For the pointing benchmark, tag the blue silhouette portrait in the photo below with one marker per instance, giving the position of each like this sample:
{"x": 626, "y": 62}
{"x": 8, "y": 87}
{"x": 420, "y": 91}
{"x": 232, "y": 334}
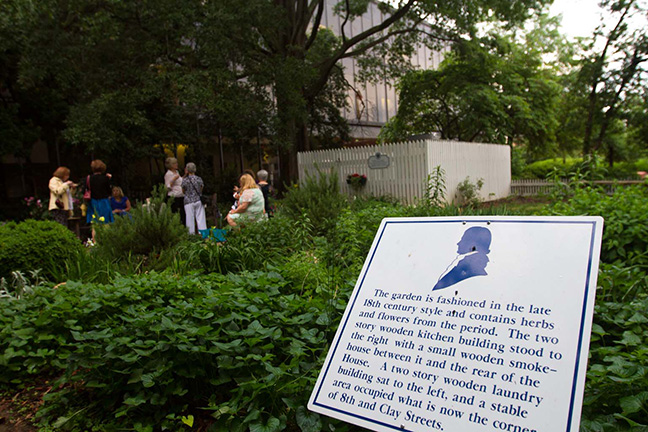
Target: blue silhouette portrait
{"x": 472, "y": 259}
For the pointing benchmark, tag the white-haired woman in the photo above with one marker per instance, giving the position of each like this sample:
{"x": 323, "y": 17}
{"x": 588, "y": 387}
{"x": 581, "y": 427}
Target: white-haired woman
{"x": 192, "y": 187}
{"x": 262, "y": 177}
{"x": 173, "y": 183}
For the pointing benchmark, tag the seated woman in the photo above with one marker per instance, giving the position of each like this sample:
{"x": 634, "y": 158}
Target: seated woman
{"x": 251, "y": 203}
{"x": 118, "y": 202}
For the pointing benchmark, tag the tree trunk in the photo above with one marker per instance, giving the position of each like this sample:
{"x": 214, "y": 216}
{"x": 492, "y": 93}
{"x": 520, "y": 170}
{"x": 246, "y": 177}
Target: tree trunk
{"x": 610, "y": 155}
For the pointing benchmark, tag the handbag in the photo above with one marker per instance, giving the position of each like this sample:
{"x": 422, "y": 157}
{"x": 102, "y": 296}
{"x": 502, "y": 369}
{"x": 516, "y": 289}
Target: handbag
{"x": 86, "y": 193}
{"x": 59, "y": 204}
{"x": 204, "y": 199}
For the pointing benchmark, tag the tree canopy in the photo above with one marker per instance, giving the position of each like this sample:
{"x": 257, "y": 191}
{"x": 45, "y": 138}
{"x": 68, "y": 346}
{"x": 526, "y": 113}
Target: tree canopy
{"x": 129, "y": 75}
{"x": 488, "y": 89}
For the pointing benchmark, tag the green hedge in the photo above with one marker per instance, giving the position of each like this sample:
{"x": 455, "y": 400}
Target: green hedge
{"x": 625, "y": 234}
{"x": 32, "y": 245}
{"x": 567, "y": 167}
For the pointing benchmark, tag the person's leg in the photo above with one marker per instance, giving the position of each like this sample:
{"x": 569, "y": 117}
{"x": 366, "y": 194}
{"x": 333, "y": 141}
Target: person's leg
{"x": 200, "y": 217}
{"x": 178, "y": 207}
{"x": 60, "y": 216}
{"x": 183, "y": 214}
{"x": 191, "y": 220}
{"x": 230, "y": 220}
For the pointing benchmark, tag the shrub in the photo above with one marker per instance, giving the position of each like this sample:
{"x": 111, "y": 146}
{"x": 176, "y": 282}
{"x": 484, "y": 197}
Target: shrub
{"x": 518, "y": 161}
{"x": 616, "y": 390}
{"x": 152, "y": 228}
{"x": 251, "y": 248}
{"x": 32, "y": 245}
{"x": 541, "y": 169}
{"x": 144, "y": 352}
{"x": 592, "y": 169}
{"x": 468, "y": 192}
{"x": 625, "y": 235}
{"x": 319, "y": 199}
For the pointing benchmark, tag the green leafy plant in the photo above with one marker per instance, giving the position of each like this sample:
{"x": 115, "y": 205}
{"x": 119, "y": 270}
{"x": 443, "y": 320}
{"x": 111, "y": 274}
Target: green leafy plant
{"x": 151, "y": 349}
{"x": 152, "y": 228}
{"x": 435, "y": 188}
{"x": 616, "y": 396}
{"x": 19, "y": 285}
{"x": 251, "y": 248}
{"x": 33, "y": 245}
{"x": 318, "y": 198}
{"x": 468, "y": 192}
{"x": 625, "y": 236}
{"x": 36, "y": 208}
{"x": 88, "y": 266}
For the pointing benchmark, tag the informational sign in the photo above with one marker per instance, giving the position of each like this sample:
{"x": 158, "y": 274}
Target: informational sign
{"x": 378, "y": 161}
{"x": 467, "y": 324}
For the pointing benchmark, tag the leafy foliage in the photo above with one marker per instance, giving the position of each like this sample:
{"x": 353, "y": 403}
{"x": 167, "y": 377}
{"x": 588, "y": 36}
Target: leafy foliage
{"x": 490, "y": 89}
{"x": 152, "y": 228}
{"x": 318, "y": 200}
{"x": 252, "y": 248}
{"x": 596, "y": 169}
{"x": 149, "y": 349}
{"x": 33, "y": 245}
{"x": 19, "y": 285}
{"x": 617, "y": 379}
{"x": 435, "y": 188}
{"x": 233, "y": 334}
{"x": 625, "y": 236}
{"x": 468, "y": 192}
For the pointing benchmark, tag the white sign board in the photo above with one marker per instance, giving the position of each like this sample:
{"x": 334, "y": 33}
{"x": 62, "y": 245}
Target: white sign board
{"x": 467, "y": 324}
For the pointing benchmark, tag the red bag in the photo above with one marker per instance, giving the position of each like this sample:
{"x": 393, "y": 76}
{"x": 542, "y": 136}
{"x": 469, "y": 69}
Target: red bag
{"x": 86, "y": 194}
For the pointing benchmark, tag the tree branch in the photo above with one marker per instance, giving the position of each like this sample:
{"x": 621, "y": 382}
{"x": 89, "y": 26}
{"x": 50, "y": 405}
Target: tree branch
{"x": 346, "y": 19}
{"x": 596, "y": 79}
{"x": 316, "y": 23}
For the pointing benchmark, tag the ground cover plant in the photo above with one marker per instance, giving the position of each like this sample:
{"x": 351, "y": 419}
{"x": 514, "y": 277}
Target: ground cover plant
{"x": 616, "y": 395}
{"x": 231, "y": 336}
{"x": 154, "y": 349}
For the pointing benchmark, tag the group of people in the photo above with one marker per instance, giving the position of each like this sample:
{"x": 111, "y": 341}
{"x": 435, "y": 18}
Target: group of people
{"x": 251, "y": 198}
{"x": 105, "y": 200}
{"x": 102, "y": 198}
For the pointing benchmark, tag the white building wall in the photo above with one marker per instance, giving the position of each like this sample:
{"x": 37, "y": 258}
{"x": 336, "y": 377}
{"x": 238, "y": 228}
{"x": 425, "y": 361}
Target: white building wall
{"x": 379, "y": 100}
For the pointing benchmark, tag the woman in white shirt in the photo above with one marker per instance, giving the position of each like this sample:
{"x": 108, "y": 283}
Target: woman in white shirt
{"x": 60, "y": 202}
{"x": 173, "y": 183}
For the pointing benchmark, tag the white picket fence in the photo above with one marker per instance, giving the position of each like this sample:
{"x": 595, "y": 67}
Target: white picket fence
{"x": 532, "y": 187}
{"x": 410, "y": 164}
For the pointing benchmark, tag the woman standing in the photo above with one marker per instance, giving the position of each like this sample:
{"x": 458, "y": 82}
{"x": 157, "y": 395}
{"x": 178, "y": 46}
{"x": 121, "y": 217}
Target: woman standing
{"x": 192, "y": 187}
{"x": 173, "y": 183}
{"x": 251, "y": 203}
{"x": 100, "y": 192}
{"x": 60, "y": 197}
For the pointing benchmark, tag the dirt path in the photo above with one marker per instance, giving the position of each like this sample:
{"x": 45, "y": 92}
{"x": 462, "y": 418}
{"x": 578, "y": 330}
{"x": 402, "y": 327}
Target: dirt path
{"x": 18, "y": 407}
{"x": 10, "y": 422}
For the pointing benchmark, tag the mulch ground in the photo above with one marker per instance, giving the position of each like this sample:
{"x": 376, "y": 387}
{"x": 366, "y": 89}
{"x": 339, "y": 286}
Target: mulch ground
{"x": 18, "y": 407}
{"x": 517, "y": 200}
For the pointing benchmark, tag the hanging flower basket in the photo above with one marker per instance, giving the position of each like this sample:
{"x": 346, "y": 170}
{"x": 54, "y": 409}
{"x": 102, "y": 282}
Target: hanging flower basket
{"x": 356, "y": 180}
